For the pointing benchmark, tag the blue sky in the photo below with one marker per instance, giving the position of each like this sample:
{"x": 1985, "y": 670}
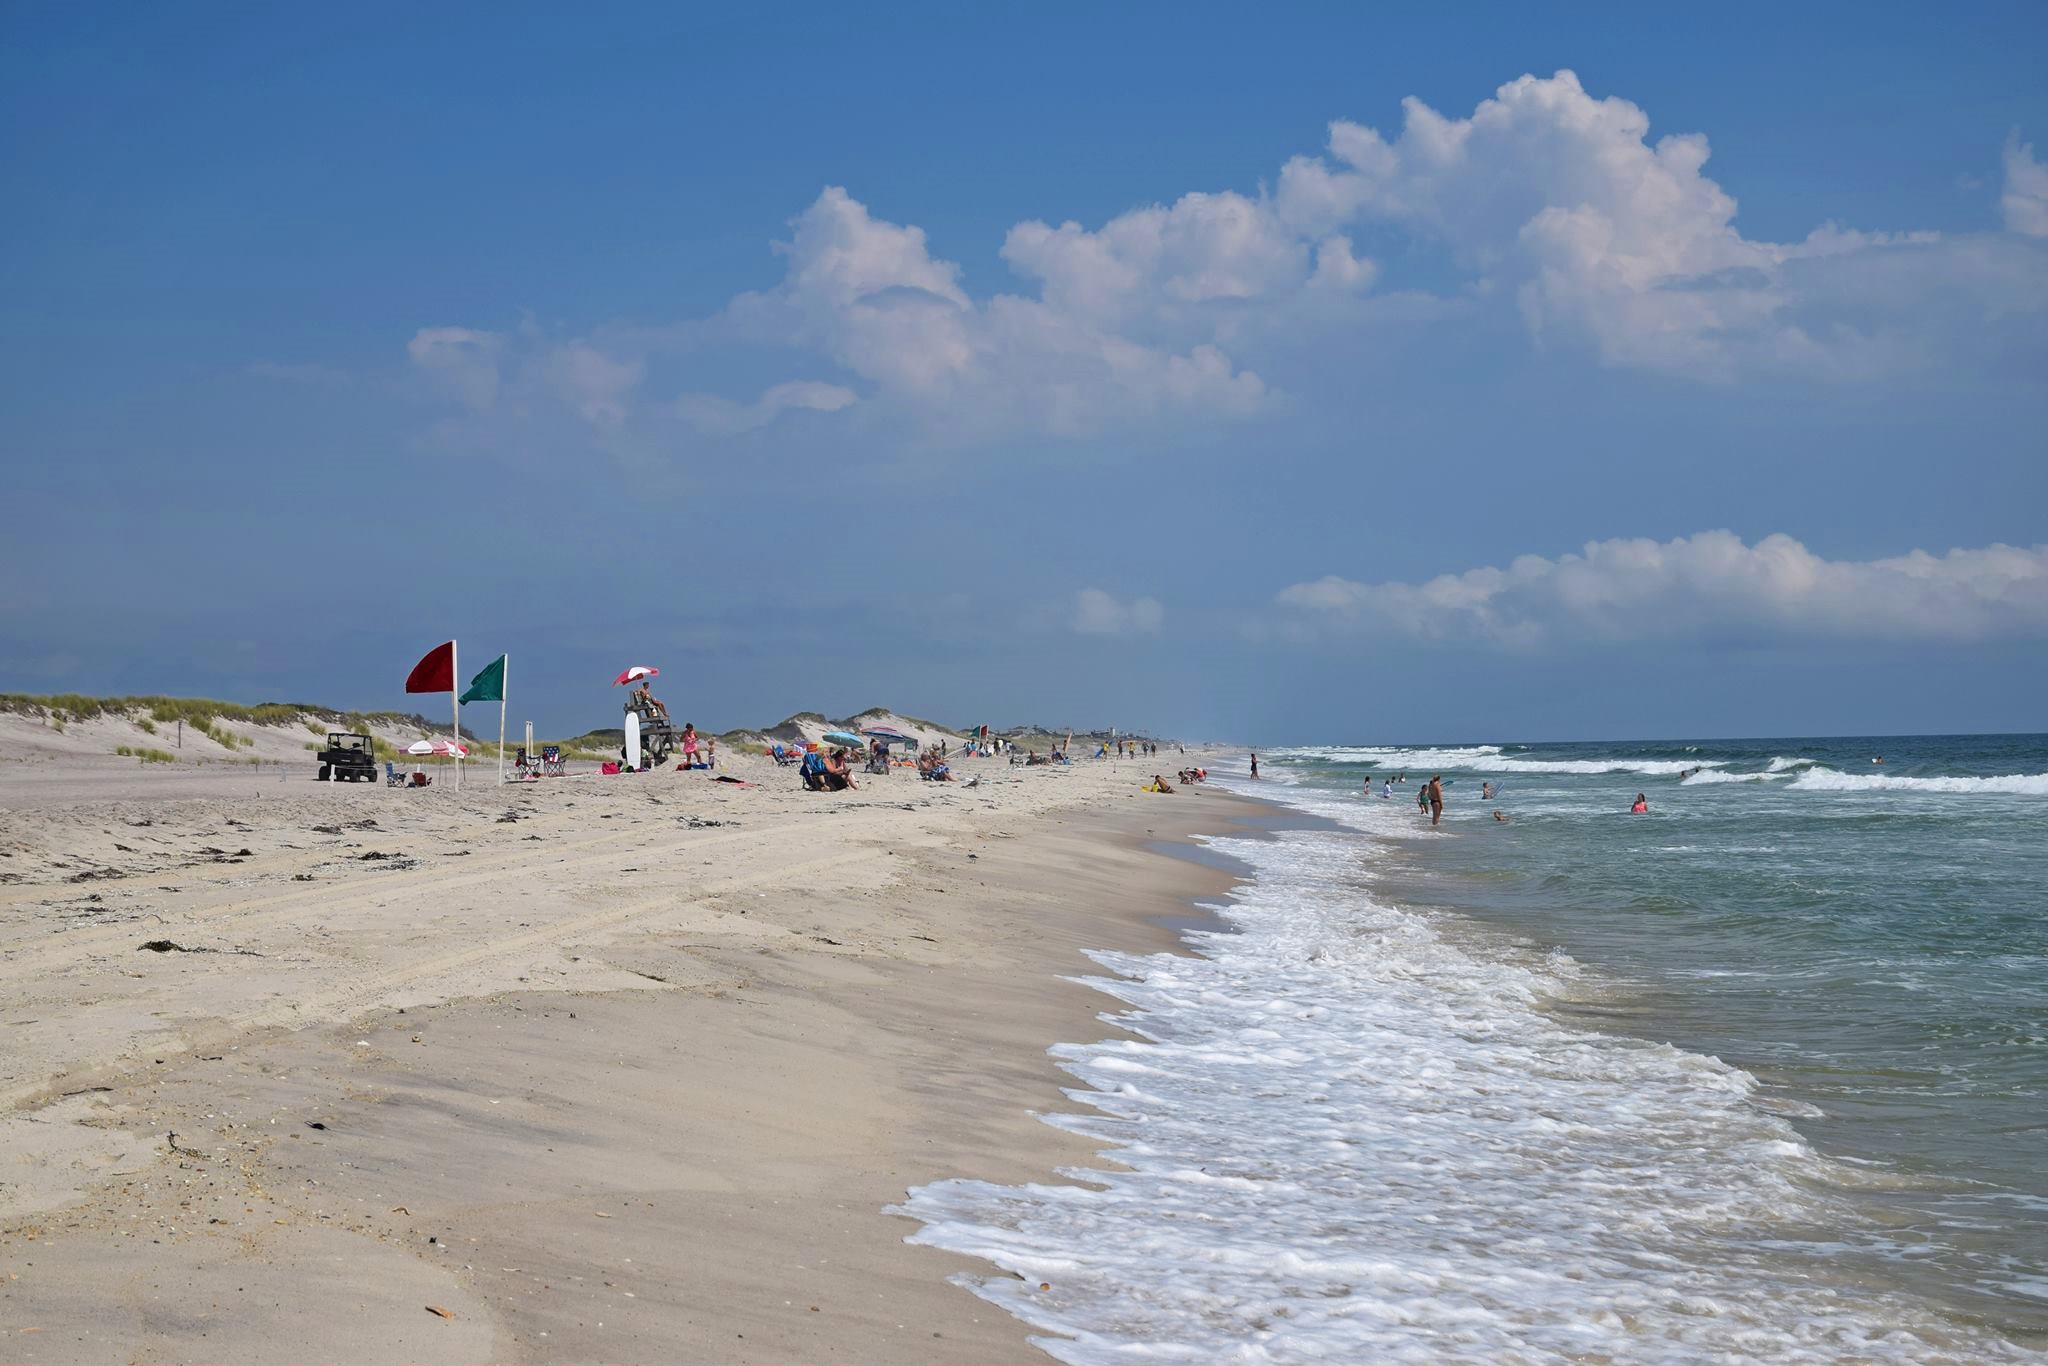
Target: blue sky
{"x": 1153, "y": 366}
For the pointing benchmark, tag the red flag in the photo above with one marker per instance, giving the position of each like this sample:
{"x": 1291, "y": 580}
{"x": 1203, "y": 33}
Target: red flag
{"x": 435, "y": 672}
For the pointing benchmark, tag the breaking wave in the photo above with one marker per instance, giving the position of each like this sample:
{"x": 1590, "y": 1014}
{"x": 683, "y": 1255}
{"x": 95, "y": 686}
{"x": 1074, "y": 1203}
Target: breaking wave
{"x": 1486, "y": 759}
{"x": 1342, "y": 1136}
{"x": 1821, "y": 779}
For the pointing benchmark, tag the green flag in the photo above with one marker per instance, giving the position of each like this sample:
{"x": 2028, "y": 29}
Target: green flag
{"x": 488, "y": 686}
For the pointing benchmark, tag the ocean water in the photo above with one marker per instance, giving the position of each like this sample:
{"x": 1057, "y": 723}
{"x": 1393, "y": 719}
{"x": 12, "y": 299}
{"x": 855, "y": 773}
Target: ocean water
{"x": 1760, "y": 1075}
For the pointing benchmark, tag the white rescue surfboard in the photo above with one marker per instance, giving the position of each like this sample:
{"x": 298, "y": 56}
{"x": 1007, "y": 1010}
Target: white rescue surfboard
{"x": 632, "y": 739}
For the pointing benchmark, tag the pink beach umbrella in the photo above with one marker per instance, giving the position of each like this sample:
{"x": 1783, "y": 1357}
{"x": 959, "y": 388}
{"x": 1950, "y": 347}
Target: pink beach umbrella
{"x": 443, "y": 748}
{"x": 634, "y": 675}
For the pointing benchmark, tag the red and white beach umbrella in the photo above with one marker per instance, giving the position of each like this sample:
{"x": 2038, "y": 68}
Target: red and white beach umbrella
{"x": 424, "y": 748}
{"x": 634, "y": 675}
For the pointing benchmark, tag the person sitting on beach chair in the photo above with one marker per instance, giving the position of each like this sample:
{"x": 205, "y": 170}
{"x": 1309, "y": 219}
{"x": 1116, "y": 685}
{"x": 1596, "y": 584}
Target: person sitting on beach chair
{"x": 838, "y": 772}
{"x": 643, "y": 700}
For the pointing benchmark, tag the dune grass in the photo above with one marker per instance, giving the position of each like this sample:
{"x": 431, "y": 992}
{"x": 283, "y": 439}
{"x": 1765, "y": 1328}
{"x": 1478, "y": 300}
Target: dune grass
{"x": 147, "y": 756}
{"x": 200, "y": 712}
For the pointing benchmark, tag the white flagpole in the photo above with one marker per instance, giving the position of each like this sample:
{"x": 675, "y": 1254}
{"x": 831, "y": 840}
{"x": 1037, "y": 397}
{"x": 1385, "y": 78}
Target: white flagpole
{"x": 455, "y": 702}
{"x": 501, "y": 717}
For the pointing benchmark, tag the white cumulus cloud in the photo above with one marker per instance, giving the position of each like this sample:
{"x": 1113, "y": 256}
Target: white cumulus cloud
{"x": 2025, "y": 200}
{"x": 710, "y": 413}
{"x": 1546, "y": 200}
{"x": 1096, "y": 613}
{"x": 462, "y": 360}
{"x": 869, "y": 294}
{"x": 1602, "y": 233}
{"x": 597, "y": 385}
{"x": 1708, "y": 585}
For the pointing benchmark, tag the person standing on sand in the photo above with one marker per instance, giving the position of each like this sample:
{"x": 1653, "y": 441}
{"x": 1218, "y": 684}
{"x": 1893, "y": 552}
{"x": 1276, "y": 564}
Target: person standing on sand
{"x": 1435, "y": 793}
{"x": 1255, "y": 766}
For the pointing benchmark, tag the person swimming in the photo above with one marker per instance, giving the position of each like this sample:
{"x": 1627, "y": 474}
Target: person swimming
{"x": 1642, "y": 806}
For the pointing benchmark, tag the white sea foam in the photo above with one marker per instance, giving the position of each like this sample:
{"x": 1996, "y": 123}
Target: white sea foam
{"x": 1645, "y": 766}
{"x": 1387, "y": 756}
{"x": 1485, "y": 759}
{"x": 1707, "y": 777}
{"x": 1351, "y": 1139}
{"x": 1820, "y": 779}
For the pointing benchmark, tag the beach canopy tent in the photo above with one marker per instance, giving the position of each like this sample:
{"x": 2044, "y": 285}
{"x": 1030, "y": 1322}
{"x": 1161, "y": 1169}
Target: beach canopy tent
{"x": 634, "y": 675}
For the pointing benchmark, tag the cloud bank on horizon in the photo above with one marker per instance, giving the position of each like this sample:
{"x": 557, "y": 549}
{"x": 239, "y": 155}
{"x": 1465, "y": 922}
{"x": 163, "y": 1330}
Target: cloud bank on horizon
{"x": 1711, "y": 584}
{"x": 1545, "y": 200}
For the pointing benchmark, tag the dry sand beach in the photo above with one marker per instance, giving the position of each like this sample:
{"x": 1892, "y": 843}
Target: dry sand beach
{"x": 589, "y": 1069}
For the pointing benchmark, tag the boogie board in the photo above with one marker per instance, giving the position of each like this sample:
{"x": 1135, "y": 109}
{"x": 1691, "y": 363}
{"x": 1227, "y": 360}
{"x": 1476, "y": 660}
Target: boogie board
{"x": 633, "y": 740}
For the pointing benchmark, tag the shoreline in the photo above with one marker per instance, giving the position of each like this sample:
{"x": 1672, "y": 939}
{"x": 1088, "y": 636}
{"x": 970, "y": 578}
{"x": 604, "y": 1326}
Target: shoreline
{"x": 708, "y": 1144}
